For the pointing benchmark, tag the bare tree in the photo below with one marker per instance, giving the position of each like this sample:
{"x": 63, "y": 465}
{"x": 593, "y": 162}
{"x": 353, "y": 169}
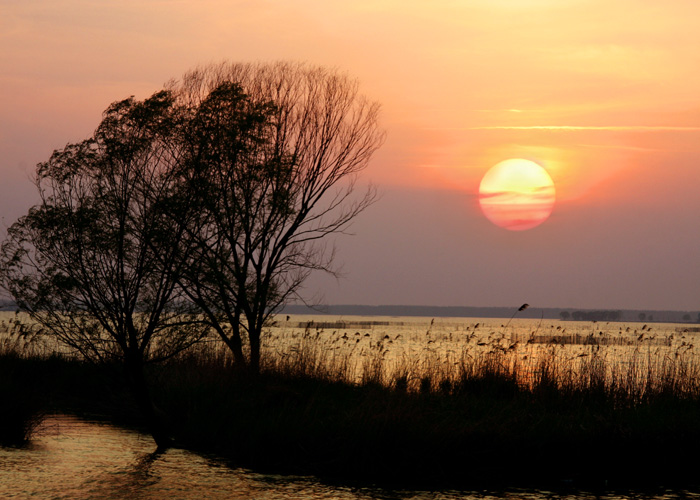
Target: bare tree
{"x": 274, "y": 155}
{"x": 96, "y": 263}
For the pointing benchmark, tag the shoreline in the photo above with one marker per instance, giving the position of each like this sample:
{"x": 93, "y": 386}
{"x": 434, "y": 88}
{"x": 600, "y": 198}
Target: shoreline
{"x": 488, "y": 433}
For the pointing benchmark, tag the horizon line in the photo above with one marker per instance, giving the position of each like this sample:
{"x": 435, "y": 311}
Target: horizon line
{"x": 496, "y": 307}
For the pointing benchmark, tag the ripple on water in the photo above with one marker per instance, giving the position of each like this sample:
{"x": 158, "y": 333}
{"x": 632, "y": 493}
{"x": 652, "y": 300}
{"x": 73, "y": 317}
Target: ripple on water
{"x": 76, "y": 459}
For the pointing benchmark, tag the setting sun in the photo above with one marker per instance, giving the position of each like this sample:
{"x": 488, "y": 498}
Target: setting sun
{"x": 517, "y": 194}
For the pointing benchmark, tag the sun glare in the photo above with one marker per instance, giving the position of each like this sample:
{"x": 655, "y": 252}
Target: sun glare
{"x": 517, "y": 194}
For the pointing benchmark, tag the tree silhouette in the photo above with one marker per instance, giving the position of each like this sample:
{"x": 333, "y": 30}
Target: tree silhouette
{"x": 274, "y": 155}
{"x": 96, "y": 263}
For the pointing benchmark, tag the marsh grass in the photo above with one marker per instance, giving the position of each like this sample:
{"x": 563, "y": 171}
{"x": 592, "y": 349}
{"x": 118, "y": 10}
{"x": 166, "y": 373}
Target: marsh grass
{"x": 492, "y": 412}
{"x": 38, "y": 378}
{"x": 431, "y": 407}
{"x": 625, "y": 369}
{"x": 21, "y": 409}
{"x": 21, "y": 406}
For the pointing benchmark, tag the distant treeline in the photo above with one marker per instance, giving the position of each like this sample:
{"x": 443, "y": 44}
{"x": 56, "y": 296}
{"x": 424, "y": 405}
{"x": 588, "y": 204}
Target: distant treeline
{"x": 531, "y": 312}
{"x": 592, "y": 315}
{"x": 651, "y": 316}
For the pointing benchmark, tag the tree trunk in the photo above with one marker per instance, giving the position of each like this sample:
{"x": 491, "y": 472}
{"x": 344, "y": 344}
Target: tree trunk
{"x": 140, "y": 391}
{"x": 254, "y": 338}
{"x": 235, "y": 343}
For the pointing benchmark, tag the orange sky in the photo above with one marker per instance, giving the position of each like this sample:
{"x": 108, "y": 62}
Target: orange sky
{"x": 604, "y": 95}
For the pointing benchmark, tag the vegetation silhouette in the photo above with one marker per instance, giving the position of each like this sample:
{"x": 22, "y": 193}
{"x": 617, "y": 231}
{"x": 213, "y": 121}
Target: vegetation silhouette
{"x": 271, "y": 173}
{"x": 485, "y": 417}
{"x": 96, "y": 263}
{"x": 201, "y": 209}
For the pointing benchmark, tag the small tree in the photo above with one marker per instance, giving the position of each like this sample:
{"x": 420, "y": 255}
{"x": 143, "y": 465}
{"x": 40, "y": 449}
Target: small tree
{"x": 564, "y": 315}
{"x": 96, "y": 263}
{"x": 274, "y": 155}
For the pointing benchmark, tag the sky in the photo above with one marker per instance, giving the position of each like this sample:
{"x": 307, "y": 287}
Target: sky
{"x": 605, "y": 96}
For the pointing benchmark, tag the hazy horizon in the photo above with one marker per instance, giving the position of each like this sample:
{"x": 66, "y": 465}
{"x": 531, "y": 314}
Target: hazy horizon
{"x": 512, "y": 307}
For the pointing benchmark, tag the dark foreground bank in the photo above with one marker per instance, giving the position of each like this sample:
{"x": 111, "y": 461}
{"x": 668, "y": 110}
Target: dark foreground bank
{"x": 483, "y": 430}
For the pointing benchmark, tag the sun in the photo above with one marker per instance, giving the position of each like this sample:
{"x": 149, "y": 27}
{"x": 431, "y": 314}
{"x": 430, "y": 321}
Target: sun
{"x": 517, "y": 194}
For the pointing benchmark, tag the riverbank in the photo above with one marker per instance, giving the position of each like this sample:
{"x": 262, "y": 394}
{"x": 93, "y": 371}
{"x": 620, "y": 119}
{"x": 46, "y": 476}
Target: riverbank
{"x": 481, "y": 429}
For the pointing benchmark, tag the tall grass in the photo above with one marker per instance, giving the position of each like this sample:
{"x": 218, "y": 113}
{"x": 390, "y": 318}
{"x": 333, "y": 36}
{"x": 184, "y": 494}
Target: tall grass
{"x": 38, "y": 377}
{"x": 458, "y": 406}
{"x": 625, "y": 370}
{"x": 22, "y": 408}
{"x": 535, "y": 410}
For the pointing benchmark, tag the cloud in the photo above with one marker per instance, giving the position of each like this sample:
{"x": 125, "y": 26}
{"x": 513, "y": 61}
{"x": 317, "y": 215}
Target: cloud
{"x": 630, "y": 148}
{"x": 613, "y": 128}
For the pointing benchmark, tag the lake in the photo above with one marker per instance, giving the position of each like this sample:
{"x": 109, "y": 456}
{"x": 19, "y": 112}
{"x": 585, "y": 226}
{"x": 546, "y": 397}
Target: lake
{"x": 76, "y": 459}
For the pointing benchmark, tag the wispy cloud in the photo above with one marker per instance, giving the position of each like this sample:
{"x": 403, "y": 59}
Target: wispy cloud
{"x": 512, "y": 110}
{"x": 631, "y": 148}
{"x": 537, "y": 195}
{"x": 641, "y": 128}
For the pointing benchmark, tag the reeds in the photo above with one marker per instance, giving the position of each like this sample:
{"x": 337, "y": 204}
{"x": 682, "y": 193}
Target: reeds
{"x": 21, "y": 410}
{"x": 444, "y": 418}
{"x": 437, "y": 406}
{"x": 22, "y": 407}
{"x": 624, "y": 369}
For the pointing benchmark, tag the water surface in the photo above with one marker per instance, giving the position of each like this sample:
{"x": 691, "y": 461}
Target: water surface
{"x": 77, "y": 459}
